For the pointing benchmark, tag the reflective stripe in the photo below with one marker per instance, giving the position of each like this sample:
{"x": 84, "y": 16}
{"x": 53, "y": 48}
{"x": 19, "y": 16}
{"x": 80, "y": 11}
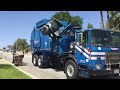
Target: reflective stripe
{"x": 84, "y": 49}
{"x": 97, "y": 53}
{"x": 93, "y": 58}
{"x": 102, "y": 58}
{"x": 82, "y": 52}
{"x": 92, "y": 53}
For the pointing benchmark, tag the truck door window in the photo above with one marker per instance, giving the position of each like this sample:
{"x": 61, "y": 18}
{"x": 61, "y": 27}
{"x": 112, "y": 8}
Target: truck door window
{"x": 79, "y": 37}
{"x": 85, "y": 37}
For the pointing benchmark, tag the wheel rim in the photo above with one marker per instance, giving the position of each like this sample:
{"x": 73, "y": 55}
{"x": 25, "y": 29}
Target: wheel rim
{"x": 39, "y": 62}
{"x": 34, "y": 61}
{"x": 70, "y": 70}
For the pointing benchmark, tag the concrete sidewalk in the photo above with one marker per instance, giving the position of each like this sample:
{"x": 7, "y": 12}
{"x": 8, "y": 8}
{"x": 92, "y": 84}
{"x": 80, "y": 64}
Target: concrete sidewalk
{"x": 3, "y": 61}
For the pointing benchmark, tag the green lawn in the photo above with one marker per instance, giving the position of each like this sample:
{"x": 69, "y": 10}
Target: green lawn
{"x": 10, "y": 72}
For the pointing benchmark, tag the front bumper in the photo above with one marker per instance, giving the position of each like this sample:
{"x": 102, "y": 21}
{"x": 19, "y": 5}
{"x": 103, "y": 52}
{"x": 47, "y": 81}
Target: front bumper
{"x": 103, "y": 72}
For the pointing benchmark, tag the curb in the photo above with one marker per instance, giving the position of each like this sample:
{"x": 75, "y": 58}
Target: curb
{"x": 31, "y": 75}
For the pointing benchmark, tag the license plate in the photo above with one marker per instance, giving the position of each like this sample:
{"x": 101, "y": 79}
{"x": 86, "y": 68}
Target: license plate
{"x": 116, "y": 71}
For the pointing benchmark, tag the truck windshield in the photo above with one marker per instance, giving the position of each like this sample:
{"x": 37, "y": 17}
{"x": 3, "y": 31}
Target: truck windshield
{"x": 115, "y": 39}
{"x": 100, "y": 38}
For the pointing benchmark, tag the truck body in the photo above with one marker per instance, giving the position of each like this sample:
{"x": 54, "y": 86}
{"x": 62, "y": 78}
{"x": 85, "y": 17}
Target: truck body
{"x": 86, "y": 53}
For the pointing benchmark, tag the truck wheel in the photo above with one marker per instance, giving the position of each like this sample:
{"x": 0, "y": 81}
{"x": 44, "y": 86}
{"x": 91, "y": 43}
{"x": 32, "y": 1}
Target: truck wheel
{"x": 43, "y": 63}
{"x": 40, "y": 62}
{"x": 35, "y": 60}
{"x": 71, "y": 70}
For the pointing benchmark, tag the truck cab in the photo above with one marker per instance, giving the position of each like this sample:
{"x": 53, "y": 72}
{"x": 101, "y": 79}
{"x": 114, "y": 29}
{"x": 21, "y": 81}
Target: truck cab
{"x": 96, "y": 53}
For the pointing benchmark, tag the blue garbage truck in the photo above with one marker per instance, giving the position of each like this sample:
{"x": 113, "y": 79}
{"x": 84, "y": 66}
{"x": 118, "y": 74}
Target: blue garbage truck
{"x": 81, "y": 53}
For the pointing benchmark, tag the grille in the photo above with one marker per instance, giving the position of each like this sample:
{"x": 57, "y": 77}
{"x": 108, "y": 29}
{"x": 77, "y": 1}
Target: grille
{"x": 112, "y": 58}
{"x": 115, "y": 66}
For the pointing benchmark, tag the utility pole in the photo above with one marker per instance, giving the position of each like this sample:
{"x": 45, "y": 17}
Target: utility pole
{"x": 101, "y": 14}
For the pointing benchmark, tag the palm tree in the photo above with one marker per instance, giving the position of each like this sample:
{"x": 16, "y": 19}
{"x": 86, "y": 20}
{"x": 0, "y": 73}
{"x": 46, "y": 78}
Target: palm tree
{"x": 108, "y": 19}
{"x": 101, "y": 14}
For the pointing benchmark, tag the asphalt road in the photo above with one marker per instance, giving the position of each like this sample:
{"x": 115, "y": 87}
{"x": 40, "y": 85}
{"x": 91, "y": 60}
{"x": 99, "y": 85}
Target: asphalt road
{"x": 39, "y": 73}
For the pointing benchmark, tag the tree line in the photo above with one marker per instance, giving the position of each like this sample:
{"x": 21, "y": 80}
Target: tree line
{"x": 20, "y": 44}
{"x": 113, "y": 20}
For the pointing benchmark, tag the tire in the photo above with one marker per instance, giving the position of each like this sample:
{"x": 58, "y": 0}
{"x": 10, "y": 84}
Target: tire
{"x": 71, "y": 65}
{"x": 42, "y": 63}
{"x": 35, "y": 60}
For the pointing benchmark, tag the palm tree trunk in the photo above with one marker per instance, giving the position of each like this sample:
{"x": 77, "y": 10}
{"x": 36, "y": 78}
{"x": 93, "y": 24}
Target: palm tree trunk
{"x": 101, "y": 14}
{"x": 108, "y": 19}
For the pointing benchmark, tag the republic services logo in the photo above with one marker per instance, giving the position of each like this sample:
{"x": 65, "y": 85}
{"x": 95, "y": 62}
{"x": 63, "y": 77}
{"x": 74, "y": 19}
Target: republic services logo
{"x": 35, "y": 42}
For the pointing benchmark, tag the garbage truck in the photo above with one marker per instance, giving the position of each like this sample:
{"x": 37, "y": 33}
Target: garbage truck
{"x": 81, "y": 53}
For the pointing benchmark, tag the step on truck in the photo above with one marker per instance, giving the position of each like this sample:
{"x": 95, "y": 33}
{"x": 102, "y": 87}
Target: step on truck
{"x": 81, "y": 53}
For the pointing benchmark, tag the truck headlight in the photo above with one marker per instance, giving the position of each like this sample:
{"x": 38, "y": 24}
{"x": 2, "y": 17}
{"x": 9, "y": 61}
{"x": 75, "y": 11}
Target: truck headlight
{"x": 72, "y": 45}
{"x": 98, "y": 66}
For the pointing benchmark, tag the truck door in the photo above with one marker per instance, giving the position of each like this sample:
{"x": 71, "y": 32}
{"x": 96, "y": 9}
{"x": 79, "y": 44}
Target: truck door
{"x": 81, "y": 51}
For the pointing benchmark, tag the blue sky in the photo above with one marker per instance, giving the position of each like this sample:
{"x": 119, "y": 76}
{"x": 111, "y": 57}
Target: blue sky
{"x": 19, "y": 24}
